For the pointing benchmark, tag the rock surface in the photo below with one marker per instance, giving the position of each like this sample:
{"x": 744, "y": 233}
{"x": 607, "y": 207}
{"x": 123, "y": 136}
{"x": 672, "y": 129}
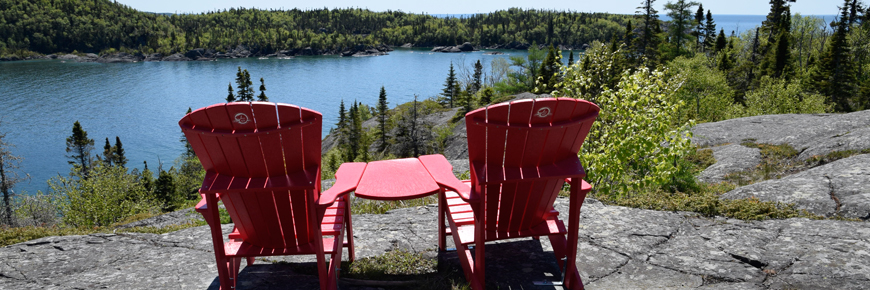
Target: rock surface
{"x": 836, "y": 188}
{"x": 810, "y": 134}
{"x": 619, "y": 248}
{"x": 730, "y": 158}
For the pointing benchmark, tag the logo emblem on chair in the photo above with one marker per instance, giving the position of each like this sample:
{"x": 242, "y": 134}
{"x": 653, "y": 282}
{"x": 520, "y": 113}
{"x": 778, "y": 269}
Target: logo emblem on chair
{"x": 543, "y": 112}
{"x": 241, "y": 118}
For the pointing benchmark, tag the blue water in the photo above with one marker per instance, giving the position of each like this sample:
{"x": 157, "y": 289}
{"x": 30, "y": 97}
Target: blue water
{"x": 142, "y": 102}
{"x": 741, "y": 23}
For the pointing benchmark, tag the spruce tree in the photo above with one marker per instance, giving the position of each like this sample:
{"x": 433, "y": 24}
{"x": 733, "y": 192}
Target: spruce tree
{"x": 835, "y": 74}
{"x": 188, "y": 150}
{"x": 108, "y": 153}
{"x": 549, "y": 70}
{"x": 782, "y": 56}
{"x": 648, "y": 42}
{"x": 681, "y": 21}
{"x": 477, "y": 81}
{"x": 262, "y": 97}
{"x": 449, "y": 90}
{"x": 720, "y": 40}
{"x": 118, "y": 150}
{"x": 700, "y": 31}
{"x": 230, "y": 96}
{"x": 382, "y": 117}
{"x": 79, "y": 147}
{"x": 571, "y": 54}
{"x": 164, "y": 191}
{"x": 147, "y": 178}
{"x": 355, "y": 131}
{"x": 9, "y": 165}
{"x": 710, "y": 31}
{"x": 243, "y": 84}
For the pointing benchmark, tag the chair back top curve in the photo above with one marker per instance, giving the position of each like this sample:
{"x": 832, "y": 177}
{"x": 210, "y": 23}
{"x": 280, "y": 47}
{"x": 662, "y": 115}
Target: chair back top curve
{"x": 251, "y": 147}
{"x": 509, "y": 147}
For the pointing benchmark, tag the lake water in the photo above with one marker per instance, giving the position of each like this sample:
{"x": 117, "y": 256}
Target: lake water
{"x": 142, "y": 102}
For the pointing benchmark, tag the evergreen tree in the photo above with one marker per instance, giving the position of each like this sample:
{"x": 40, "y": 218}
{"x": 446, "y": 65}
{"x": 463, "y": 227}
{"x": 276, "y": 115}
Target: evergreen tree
{"x": 720, "y": 40}
{"x": 164, "y": 191}
{"x": 9, "y": 165}
{"x": 782, "y": 56}
{"x": 262, "y": 97}
{"x": 549, "y": 71}
{"x": 699, "y": 32}
{"x": 147, "y": 178}
{"x": 628, "y": 37}
{"x": 231, "y": 97}
{"x": 710, "y": 31}
{"x": 355, "y": 133}
{"x": 680, "y": 13}
{"x": 449, "y": 90}
{"x": 774, "y": 24}
{"x": 648, "y": 42}
{"x": 243, "y": 84}
{"x": 477, "y": 81}
{"x": 834, "y": 75}
{"x": 108, "y": 153}
{"x": 79, "y": 147}
{"x": 118, "y": 150}
{"x": 382, "y": 117}
{"x": 571, "y": 54}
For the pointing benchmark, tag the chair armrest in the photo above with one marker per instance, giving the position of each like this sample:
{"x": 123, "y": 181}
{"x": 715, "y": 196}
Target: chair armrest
{"x": 346, "y": 180}
{"x": 442, "y": 172}
{"x": 202, "y": 205}
{"x": 584, "y": 186}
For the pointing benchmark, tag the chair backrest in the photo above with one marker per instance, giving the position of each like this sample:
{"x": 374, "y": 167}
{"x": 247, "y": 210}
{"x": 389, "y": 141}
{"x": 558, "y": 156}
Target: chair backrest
{"x": 511, "y": 141}
{"x": 260, "y": 142}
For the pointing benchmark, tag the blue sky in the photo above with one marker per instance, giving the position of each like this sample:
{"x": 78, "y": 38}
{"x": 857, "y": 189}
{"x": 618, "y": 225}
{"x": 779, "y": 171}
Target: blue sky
{"x": 750, "y": 7}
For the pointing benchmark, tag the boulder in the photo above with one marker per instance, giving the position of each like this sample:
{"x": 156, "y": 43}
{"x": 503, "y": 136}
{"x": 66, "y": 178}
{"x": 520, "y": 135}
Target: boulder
{"x": 730, "y": 158}
{"x": 154, "y": 57}
{"x": 810, "y": 134}
{"x": 176, "y": 57}
{"x": 837, "y": 188}
{"x": 465, "y": 47}
{"x": 407, "y": 45}
{"x": 493, "y": 53}
{"x": 121, "y": 57}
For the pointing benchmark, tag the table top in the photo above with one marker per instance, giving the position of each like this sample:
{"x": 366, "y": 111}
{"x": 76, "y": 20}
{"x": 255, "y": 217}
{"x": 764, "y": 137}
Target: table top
{"x": 396, "y": 179}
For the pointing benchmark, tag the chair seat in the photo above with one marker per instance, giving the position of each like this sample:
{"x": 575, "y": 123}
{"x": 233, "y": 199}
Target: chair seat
{"x": 459, "y": 212}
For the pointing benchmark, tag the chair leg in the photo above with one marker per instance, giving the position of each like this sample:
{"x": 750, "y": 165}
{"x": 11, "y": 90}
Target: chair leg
{"x": 442, "y": 230}
{"x": 349, "y": 230}
{"x": 224, "y": 276}
{"x": 250, "y": 260}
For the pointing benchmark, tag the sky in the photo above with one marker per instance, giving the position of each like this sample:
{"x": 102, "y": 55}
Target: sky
{"x": 745, "y": 7}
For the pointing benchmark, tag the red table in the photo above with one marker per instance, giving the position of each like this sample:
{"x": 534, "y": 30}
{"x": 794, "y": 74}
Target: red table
{"x": 396, "y": 179}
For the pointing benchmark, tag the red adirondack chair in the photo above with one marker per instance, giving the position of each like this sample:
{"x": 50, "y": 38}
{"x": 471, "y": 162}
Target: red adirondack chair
{"x": 521, "y": 153}
{"x": 262, "y": 160}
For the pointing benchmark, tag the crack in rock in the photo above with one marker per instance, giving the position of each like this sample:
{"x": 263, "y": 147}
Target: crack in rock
{"x": 746, "y": 260}
{"x": 833, "y": 196}
{"x": 618, "y": 268}
{"x": 17, "y": 270}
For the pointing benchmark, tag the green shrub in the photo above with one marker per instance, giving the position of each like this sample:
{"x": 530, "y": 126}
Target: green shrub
{"x": 777, "y": 96}
{"x": 638, "y": 141}
{"x": 38, "y": 209}
{"x": 107, "y": 196}
{"x": 706, "y": 93}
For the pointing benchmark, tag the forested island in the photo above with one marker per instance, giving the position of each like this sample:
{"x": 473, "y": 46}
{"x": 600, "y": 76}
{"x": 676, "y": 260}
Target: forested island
{"x": 29, "y": 28}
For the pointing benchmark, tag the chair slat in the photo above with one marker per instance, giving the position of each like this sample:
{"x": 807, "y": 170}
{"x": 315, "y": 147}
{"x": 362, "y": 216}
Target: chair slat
{"x": 267, "y": 118}
{"x": 291, "y": 140}
{"x": 244, "y": 120}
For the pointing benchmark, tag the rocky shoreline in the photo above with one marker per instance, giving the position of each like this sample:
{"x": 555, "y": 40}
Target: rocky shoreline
{"x": 242, "y": 51}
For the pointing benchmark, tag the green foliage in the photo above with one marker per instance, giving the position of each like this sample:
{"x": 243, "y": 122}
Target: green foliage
{"x": 243, "y": 83}
{"x": 449, "y": 92}
{"x": 548, "y": 76}
{"x": 367, "y": 206}
{"x": 777, "y": 96}
{"x": 776, "y": 161}
{"x": 9, "y": 236}
{"x": 706, "y": 92}
{"x": 395, "y": 262}
{"x": 109, "y": 195}
{"x": 230, "y": 96}
{"x": 38, "y": 209}
{"x": 638, "y": 139}
{"x": 79, "y": 147}
{"x": 262, "y": 96}
{"x": 383, "y": 111}
{"x": 165, "y": 192}
{"x": 681, "y": 20}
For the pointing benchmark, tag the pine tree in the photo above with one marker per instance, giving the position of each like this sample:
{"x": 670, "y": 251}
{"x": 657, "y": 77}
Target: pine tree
{"x": 680, "y": 14}
{"x": 700, "y": 31}
{"x": 355, "y": 133}
{"x": 382, "y": 117}
{"x": 648, "y": 42}
{"x": 782, "y": 56}
{"x": 9, "y": 176}
{"x": 477, "y": 81}
{"x": 230, "y": 96}
{"x": 549, "y": 71}
{"x": 262, "y": 97}
{"x": 449, "y": 90}
{"x": 834, "y": 75}
{"x": 164, "y": 191}
{"x": 720, "y": 40}
{"x": 571, "y": 54}
{"x": 243, "y": 84}
{"x": 147, "y": 178}
{"x": 710, "y": 31}
{"x": 118, "y": 150}
{"x": 79, "y": 146}
{"x": 108, "y": 153}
